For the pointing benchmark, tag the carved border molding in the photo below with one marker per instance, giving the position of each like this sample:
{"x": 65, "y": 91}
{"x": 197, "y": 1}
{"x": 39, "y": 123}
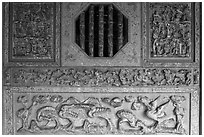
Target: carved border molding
{"x": 55, "y": 61}
{"x": 102, "y": 77}
{"x": 171, "y": 62}
{"x": 9, "y": 93}
{"x": 129, "y": 55}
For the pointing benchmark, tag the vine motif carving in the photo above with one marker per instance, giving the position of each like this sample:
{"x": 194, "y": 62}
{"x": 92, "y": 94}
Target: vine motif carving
{"x": 7, "y": 77}
{"x": 170, "y": 30}
{"x": 32, "y": 27}
{"x": 103, "y": 77}
{"x": 195, "y": 112}
{"x": 95, "y": 115}
{"x": 196, "y": 76}
{"x": 8, "y": 112}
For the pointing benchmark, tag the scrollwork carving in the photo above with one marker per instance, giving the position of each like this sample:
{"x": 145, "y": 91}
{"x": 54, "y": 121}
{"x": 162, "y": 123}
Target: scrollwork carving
{"x": 8, "y": 129}
{"x": 196, "y": 76}
{"x": 103, "y": 77}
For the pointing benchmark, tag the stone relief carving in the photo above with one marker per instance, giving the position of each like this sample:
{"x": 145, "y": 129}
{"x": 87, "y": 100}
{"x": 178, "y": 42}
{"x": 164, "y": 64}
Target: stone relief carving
{"x": 103, "y": 77}
{"x": 33, "y": 35}
{"x": 163, "y": 98}
{"x": 33, "y": 29}
{"x": 170, "y": 30}
{"x": 170, "y": 34}
{"x": 196, "y": 76}
{"x": 7, "y": 114}
{"x": 55, "y": 113}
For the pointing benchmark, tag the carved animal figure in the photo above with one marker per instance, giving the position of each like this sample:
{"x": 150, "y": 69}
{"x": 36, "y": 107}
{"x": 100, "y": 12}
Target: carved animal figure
{"x": 76, "y": 112}
{"x": 153, "y": 111}
{"x": 47, "y": 118}
{"x": 96, "y": 125}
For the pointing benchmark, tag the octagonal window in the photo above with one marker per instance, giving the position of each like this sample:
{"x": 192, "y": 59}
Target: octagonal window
{"x": 101, "y": 30}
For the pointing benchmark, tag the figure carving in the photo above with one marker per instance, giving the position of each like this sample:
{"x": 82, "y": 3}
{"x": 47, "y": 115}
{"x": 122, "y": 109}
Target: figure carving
{"x": 153, "y": 111}
{"x": 170, "y": 33}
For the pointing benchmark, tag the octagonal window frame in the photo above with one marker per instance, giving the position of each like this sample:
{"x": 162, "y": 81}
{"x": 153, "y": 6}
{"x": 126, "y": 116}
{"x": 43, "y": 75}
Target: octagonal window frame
{"x": 84, "y": 8}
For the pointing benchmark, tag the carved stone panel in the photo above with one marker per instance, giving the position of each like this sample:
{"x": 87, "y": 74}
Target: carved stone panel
{"x": 170, "y": 34}
{"x": 31, "y": 34}
{"x": 74, "y": 55}
{"x": 133, "y": 111}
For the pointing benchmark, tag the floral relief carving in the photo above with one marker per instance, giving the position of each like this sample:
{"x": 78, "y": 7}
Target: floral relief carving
{"x": 102, "y": 77}
{"x": 8, "y": 129}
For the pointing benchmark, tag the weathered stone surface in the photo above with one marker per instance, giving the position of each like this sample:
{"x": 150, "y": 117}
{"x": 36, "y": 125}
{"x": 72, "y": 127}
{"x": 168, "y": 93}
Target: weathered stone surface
{"x": 71, "y": 111}
{"x": 128, "y": 55}
{"x": 31, "y": 34}
{"x": 137, "y": 73}
{"x": 100, "y": 77}
{"x": 171, "y": 34}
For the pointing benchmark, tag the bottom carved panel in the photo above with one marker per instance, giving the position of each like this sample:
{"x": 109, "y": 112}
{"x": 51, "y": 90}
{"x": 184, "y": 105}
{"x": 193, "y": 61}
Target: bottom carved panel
{"x": 66, "y": 111}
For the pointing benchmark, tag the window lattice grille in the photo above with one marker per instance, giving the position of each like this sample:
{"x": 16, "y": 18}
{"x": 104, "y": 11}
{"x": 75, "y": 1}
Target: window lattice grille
{"x": 101, "y": 30}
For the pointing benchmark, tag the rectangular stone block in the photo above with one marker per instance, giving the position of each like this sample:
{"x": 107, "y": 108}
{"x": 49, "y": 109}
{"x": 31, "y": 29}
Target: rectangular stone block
{"x": 41, "y": 110}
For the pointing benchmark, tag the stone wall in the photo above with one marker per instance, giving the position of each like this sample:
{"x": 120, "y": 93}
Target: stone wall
{"x": 101, "y": 68}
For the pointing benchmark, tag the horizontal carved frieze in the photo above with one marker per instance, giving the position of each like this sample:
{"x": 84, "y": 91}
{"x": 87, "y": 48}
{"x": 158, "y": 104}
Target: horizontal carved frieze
{"x": 115, "y": 77}
{"x": 66, "y": 110}
{"x": 100, "y": 113}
